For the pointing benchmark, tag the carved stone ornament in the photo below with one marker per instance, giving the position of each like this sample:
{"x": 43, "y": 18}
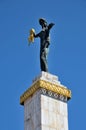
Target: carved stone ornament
{"x": 57, "y": 91}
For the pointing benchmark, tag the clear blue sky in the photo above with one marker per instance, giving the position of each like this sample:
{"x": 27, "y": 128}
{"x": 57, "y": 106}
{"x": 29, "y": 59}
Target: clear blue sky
{"x": 19, "y": 64}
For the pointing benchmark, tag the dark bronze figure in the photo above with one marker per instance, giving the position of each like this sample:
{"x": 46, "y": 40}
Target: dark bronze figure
{"x": 44, "y": 42}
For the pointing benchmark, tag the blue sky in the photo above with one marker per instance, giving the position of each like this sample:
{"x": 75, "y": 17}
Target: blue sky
{"x": 19, "y": 64}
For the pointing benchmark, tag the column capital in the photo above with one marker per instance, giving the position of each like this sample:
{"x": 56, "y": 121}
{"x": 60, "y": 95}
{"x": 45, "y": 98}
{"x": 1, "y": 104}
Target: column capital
{"x": 43, "y": 84}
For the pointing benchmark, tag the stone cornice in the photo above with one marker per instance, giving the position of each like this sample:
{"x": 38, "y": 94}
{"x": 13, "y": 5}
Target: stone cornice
{"x": 56, "y": 88}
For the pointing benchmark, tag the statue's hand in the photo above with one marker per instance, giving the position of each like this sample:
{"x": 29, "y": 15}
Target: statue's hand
{"x": 50, "y": 25}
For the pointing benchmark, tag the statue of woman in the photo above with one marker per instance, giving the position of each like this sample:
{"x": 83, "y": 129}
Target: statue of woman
{"x": 44, "y": 42}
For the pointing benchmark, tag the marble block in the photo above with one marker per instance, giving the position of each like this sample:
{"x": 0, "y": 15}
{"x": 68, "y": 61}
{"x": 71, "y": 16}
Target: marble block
{"x": 47, "y": 77}
{"x": 42, "y": 112}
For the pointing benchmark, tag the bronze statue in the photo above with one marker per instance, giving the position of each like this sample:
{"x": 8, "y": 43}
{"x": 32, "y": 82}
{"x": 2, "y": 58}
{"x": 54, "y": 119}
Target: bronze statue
{"x": 44, "y": 42}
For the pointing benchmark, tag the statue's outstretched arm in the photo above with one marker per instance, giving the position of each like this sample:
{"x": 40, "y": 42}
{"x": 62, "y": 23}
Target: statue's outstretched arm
{"x": 36, "y": 35}
{"x": 50, "y": 25}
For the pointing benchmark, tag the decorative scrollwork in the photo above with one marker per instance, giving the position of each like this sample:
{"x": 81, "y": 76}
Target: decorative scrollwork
{"x": 54, "y": 90}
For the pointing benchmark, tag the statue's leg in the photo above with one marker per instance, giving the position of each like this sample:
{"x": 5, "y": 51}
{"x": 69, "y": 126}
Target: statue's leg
{"x": 43, "y": 60}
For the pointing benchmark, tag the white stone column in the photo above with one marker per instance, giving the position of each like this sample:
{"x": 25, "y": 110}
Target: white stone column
{"x": 32, "y": 112}
{"x": 45, "y": 104}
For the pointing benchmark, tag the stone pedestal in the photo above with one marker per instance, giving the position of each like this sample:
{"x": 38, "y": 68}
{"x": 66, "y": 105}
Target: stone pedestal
{"x": 45, "y": 104}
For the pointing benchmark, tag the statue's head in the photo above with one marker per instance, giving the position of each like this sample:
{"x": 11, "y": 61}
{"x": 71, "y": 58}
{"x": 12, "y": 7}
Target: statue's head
{"x": 42, "y": 22}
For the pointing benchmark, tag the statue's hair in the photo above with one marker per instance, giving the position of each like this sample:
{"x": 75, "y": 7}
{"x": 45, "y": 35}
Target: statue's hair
{"x": 42, "y": 20}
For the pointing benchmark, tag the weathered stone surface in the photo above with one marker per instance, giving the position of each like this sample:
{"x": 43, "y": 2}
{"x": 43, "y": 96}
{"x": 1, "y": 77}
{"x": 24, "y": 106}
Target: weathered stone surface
{"x": 32, "y": 112}
{"x": 45, "y": 113}
{"x": 48, "y": 77}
